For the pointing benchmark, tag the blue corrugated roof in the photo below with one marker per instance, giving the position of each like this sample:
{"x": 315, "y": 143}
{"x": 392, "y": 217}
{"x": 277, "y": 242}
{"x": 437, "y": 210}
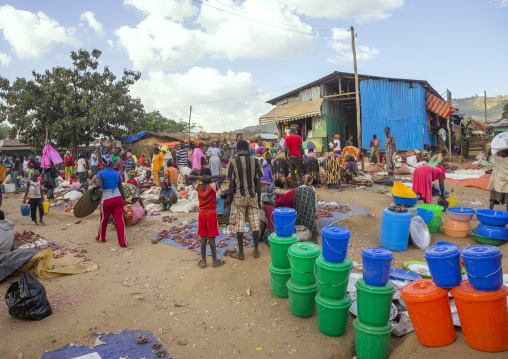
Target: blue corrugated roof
{"x": 396, "y": 105}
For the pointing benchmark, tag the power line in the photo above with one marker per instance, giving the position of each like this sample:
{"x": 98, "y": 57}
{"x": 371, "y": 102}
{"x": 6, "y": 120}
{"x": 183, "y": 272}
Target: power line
{"x": 278, "y": 22}
{"x": 262, "y": 22}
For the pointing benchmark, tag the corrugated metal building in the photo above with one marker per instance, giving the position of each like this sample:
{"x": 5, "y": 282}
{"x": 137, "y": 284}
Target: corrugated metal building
{"x": 327, "y": 107}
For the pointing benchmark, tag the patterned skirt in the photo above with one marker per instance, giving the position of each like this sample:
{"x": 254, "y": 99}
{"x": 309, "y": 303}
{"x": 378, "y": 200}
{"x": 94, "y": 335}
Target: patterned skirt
{"x": 305, "y": 206}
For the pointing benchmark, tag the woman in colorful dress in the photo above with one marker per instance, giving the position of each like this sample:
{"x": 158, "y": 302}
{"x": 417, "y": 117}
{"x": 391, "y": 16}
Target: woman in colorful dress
{"x": 69, "y": 164}
{"x": 214, "y": 154}
{"x": 280, "y": 170}
{"x": 332, "y": 169}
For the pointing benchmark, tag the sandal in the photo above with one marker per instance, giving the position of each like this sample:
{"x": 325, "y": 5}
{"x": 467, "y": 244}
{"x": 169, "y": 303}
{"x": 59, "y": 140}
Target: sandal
{"x": 219, "y": 263}
{"x": 201, "y": 264}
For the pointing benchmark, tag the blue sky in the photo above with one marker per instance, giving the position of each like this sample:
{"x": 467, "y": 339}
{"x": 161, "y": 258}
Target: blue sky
{"x": 190, "y": 53}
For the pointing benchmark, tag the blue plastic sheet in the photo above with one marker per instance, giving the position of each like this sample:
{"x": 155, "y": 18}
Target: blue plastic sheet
{"x": 116, "y": 346}
{"x": 337, "y": 216}
{"x": 231, "y": 243}
{"x": 131, "y": 138}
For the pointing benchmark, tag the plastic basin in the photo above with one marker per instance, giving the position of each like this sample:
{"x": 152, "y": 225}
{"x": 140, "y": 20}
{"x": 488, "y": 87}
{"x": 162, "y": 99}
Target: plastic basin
{"x": 486, "y": 240}
{"x": 333, "y": 278}
{"x": 463, "y": 214}
{"x": 492, "y": 217}
{"x": 437, "y": 209}
{"x": 483, "y": 317}
{"x": 406, "y": 201}
{"x": 371, "y": 342}
{"x": 279, "y": 247}
{"x": 401, "y": 190}
{"x": 429, "y": 307}
{"x": 302, "y": 299}
{"x": 332, "y": 314}
{"x": 426, "y": 214}
{"x": 278, "y": 280}
{"x": 456, "y": 229}
{"x": 444, "y": 265}
{"x": 374, "y": 303}
{"x": 492, "y": 232}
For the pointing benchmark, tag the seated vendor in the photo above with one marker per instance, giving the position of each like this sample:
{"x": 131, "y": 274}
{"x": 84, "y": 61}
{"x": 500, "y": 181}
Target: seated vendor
{"x": 167, "y": 196}
{"x": 146, "y": 182}
{"x": 438, "y": 160}
{"x": 351, "y": 169}
{"x": 267, "y": 172}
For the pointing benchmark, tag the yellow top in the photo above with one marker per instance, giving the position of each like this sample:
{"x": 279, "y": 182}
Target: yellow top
{"x": 158, "y": 161}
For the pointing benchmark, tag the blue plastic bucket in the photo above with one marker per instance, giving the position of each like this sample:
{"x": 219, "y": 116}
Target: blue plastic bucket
{"x": 394, "y": 233}
{"x": 444, "y": 265}
{"x": 25, "y": 210}
{"x": 335, "y": 243}
{"x": 376, "y": 266}
{"x": 483, "y": 267}
{"x": 284, "y": 221}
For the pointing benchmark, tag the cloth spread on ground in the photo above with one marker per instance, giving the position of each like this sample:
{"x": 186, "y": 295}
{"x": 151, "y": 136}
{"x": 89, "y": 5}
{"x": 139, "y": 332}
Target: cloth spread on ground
{"x": 438, "y": 106}
{"x": 337, "y": 216}
{"x": 111, "y": 345}
{"x": 230, "y": 243}
{"x": 481, "y": 182}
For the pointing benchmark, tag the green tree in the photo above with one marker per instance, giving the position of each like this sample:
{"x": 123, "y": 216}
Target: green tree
{"x": 505, "y": 111}
{"x": 4, "y": 131}
{"x": 75, "y": 105}
{"x": 155, "y": 122}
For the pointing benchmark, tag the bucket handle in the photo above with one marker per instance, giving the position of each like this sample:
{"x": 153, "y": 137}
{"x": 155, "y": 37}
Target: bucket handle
{"x": 330, "y": 285}
{"x": 332, "y": 248}
{"x": 274, "y": 281}
{"x": 290, "y": 224}
{"x": 292, "y": 266}
{"x": 470, "y": 275}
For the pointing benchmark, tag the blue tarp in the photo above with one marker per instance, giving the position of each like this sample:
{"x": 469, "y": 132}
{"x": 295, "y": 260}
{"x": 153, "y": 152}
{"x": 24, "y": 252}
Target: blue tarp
{"x": 337, "y": 216}
{"x": 131, "y": 138}
{"x": 121, "y": 345}
{"x": 231, "y": 243}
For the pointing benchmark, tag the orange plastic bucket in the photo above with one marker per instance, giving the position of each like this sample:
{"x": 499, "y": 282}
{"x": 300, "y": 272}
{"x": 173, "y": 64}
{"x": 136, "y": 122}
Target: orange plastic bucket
{"x": 429, "y": 310}
{"x": 483, "y": 317}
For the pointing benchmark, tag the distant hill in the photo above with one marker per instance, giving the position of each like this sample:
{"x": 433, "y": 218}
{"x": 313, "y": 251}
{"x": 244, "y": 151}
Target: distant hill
{"x": 475, "y": 107}
{"x": 265, "y": 128}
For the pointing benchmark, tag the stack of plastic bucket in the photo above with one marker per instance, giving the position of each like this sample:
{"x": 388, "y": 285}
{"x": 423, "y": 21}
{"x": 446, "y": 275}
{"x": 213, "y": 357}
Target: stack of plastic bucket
{"x": 481, "y": 300}
{"x": 374, "y": 295}
{"x": 436, "y": 222}
{"x": 280, "y": 241}
{"x": 429, "y": 310}
{"x": 332, "y": 275}
{"x": 302, "y": 286}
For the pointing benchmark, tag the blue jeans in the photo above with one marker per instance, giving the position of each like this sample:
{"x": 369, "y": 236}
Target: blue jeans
{"x": 252, "y": 151}
{"x": 14, "y": 178}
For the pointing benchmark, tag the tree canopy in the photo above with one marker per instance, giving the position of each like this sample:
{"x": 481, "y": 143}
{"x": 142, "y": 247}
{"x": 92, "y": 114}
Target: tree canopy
{"x": 155, "y": 122}
{"x": 4, "y": 131}
{"x": 76, "y": 105}
{"x": 505, "y": 111}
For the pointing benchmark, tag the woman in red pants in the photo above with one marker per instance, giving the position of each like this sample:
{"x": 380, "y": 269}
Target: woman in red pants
{"x": 113, "y": 200}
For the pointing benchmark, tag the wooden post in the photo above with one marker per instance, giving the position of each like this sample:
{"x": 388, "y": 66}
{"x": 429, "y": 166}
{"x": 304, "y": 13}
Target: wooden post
{"x": 190, "y": 114}
{"x": 357, "y": 90}
{"x": 485, "y": 100}
{"x": 340, "y": 86}
{"x": 449, "y": 100}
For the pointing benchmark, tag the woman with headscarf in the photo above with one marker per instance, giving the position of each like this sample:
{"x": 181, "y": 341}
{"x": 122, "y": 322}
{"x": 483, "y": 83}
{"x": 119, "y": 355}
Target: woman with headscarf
{"x": 113, "y": 201}
{"x": 312, "y": 167}
{"x": 267, "y": 172}
{"x": 215, "y": 162}
{"x": 280, "y": 170}
{"x": 336, "y": 143}
{"x": 197, "y": 157}
{"x": 350, "y": 150}
{"x": 158, "y": 158}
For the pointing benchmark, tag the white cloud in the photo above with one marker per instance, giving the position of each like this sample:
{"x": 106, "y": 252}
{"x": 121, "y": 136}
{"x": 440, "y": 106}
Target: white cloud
{"x": 161, "y": 43}
{"x": 5, "y": 59}
{"x": 174, "y": 9}
{"x": 362, "y": 11}
{"x": 502, "y": 3}
{"x": 30, "y": 35}
{"x": 92, "y": 22}
{"x": 163, "y": 91}
{"x": 341, "y": 43}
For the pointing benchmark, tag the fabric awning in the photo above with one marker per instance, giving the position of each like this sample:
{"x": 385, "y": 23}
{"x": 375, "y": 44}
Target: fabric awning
{"x": 438, "y": 106}
{"x": 479, "y": 125}
{"x": 293, "y": 112}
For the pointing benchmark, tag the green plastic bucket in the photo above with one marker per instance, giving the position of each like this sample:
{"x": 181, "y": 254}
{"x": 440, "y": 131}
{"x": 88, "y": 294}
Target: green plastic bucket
{"x": 332, "y": 315}
{"x": 302, "y": 258}
{"x": 374, "y": 303}
{"x": 371, "y": 342}
{"x": 333, "y": 278}
{"x": 302, "y": 299}
{"x": 279, "y": 249}
{"x": 278, "y": 280}
{"x": 435, "y": 224}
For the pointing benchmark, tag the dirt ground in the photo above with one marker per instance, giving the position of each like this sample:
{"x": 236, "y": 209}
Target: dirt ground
{"x": 199, "y": 313}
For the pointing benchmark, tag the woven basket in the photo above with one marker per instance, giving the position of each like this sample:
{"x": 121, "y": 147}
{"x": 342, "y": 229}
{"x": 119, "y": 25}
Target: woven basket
{"x": 84, "y": 206}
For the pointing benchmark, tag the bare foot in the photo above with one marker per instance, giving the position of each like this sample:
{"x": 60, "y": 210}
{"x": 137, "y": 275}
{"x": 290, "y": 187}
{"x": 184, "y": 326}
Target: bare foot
{"x": 238, "y": 256}
{"x": 256, "y": 253}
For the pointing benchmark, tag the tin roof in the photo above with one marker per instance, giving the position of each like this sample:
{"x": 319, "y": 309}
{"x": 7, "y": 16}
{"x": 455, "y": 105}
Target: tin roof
{"x": 300, "y": 110}
{"x": 14, "y": 145}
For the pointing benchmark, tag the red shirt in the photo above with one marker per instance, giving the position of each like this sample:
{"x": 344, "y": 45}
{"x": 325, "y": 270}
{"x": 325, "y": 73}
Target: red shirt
{"x": 207, "y": 199}
{"x": 293, "y": 143}
{"x": 69, "y": 161}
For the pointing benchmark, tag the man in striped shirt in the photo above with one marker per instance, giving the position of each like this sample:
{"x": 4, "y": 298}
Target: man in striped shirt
{"x": 244, "y": 174}
{"x": 181, "y": 155}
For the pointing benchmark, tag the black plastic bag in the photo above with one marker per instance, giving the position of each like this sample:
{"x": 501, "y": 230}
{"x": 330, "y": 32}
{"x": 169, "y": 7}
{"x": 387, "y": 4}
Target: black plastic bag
{"x": 27, "y": 299}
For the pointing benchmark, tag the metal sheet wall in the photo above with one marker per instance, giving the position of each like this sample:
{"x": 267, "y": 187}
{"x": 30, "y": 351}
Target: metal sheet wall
{"x": 396, "y": 105}
{"x": 312, "y": 93}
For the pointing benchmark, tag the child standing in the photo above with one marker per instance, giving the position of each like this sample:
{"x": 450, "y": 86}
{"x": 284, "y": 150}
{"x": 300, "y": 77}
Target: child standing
{"x": 69, "y": 164}
{"x": 208, "y": 222}
{"x": 82, "y": 168}
{"x": 35, "y": 197}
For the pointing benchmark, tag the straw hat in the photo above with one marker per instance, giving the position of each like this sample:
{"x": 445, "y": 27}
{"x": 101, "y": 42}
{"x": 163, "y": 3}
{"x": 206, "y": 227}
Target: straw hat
{"x": 84, "y": 206}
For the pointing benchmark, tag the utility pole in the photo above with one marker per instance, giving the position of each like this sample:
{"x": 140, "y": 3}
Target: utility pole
{"x": 357, "y": 90}
{"x": 449, "y": 100}
{"x": 485, "y": 100}
{"x": 190, "y": 114}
